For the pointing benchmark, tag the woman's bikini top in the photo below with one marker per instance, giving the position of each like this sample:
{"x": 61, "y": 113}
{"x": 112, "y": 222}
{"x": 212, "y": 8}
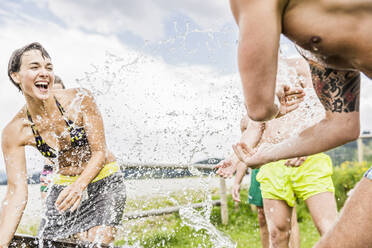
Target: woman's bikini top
{"x": 77, "y": 134}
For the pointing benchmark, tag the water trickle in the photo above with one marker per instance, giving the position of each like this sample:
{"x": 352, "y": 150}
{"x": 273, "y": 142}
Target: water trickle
{"x": 199, "y": 221}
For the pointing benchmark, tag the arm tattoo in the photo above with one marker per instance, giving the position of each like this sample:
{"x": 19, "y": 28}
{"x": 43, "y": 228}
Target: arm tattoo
{"x": 338, "y": 90}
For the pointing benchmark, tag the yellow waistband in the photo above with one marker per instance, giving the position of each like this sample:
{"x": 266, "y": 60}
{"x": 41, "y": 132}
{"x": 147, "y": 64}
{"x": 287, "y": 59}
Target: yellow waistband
{"x": 106, "y": 171}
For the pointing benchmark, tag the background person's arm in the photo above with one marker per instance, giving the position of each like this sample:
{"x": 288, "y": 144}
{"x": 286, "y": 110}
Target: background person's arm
{"x": 339, "y": 93}
{"x": 251, "y": 136}
{"x": 241, "y": 171}
{"x": 260, "y": 25}
{"x": 15, "y": 200}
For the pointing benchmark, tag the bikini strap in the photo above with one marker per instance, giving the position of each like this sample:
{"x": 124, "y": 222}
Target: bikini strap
{"x": 44, "y": 148}
{"x": 33, "y": 127}
{"x": 60, "y": 108}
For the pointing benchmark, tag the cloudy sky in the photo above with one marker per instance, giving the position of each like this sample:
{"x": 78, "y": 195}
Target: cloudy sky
{"x": 164, "y": 72}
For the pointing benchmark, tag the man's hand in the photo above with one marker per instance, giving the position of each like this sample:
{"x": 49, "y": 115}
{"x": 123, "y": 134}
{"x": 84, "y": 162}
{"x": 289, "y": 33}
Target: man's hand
{"x": 243, "y": 152}
{"x": 295, "y": 162}
{"x": 235, "y": 192}
{"x": 226, "y": 168}
{"x": 254, "y": 158}
{"x": 69, "y": 198}
{"x": 289, "y": 98}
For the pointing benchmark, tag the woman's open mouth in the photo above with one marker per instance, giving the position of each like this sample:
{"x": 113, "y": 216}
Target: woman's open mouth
{"x": 42, "y": 86}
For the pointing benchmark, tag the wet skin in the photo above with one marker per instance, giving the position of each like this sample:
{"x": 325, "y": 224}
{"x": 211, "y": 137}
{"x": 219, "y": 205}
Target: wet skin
{"x": 338, "y": 32}
{"x": 335, "y": 37}
{"x": 36, "y": 78}
{"x": 52, "y": 127}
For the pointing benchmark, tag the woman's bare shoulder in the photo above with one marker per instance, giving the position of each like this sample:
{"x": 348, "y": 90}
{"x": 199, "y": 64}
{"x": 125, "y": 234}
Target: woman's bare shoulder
{"x": 73, "y": 93}
{"x": 72, "y": 96}
{"x": 15, "y": 132}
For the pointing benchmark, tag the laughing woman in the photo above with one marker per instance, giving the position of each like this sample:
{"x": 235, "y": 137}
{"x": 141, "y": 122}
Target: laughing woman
{"x": 86, "y": 200}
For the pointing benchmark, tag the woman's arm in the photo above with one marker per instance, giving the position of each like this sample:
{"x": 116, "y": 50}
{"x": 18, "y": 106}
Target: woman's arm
{"x": 15, "y": 200}
{"x": 94, "y": 128}
{"x": 93, "y": 125}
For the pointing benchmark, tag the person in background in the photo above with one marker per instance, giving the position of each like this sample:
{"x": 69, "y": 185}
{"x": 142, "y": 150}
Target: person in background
{"x": 309, "y": 178}
{"x": 253, "y": 136}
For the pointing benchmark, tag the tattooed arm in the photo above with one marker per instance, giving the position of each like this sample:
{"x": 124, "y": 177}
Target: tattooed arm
{"x": 339, "y": 93}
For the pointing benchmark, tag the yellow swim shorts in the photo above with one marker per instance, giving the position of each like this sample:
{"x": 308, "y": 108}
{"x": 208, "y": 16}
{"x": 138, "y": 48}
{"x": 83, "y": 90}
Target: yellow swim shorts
{"x": 280, "y": 182}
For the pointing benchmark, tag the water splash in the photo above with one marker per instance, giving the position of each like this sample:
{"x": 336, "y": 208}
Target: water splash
{"x": 154, "y": 112}
{"x": 160, "y": 114}
{"x": 200, "y": 221}
{"x": 162, "y": 109}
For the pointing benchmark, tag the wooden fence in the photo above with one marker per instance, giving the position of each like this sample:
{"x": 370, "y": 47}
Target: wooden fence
{"x": 360, "y": 146}
{"x": 223, "y": 195}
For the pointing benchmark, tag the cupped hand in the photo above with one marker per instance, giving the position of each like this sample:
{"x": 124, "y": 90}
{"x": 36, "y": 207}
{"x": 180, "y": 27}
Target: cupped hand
{"x": 69, "y": 198}
{"x": 289, "y": 98}
{"x": 295, "y": 162}
{"x": 244, "y": 154}
{"x": 226, "y": 168}
{"x": 254, "y": 158}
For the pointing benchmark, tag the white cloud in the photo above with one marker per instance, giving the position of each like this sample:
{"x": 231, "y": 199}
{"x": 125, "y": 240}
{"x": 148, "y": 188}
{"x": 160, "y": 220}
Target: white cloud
{"x": 208, "y": 14}
{"x": 143, "y": 18}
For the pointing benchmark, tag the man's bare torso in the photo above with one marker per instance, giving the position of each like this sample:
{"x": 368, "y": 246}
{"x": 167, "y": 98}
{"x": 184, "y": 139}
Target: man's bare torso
{"x": 337, "y": 32}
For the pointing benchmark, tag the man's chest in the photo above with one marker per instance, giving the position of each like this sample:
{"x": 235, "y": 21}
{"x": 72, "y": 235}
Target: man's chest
{"x": 334, "y": 32}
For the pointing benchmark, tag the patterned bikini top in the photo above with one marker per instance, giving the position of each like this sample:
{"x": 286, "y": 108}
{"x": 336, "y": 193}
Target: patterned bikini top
{"x": 77, "y": 134}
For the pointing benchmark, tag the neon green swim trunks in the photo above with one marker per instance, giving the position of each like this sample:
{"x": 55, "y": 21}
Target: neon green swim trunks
{"x": 280, "y": 182}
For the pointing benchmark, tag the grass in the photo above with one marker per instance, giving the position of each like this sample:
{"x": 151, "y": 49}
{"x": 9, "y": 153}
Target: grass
{"x": 170, "y": 231}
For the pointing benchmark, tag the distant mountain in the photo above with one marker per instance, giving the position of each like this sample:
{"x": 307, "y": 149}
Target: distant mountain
{"x": 209, "y": 161}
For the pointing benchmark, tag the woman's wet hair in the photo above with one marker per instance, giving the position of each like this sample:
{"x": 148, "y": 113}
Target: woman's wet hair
{"x": 16, "y": 59}
{"x": 58, "y": 80}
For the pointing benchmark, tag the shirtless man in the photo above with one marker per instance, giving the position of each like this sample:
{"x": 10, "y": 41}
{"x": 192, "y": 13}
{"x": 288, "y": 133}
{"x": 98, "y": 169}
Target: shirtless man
{"x": 281, "y": 185}
{"x": 335, "y": 38}
{"x": 253, "y": 135}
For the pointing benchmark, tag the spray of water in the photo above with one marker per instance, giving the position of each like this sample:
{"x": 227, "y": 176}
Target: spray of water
{"x": 157, "y": 113}
{"x": 154, "y": 112}
{"x": 200, "y": 221}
